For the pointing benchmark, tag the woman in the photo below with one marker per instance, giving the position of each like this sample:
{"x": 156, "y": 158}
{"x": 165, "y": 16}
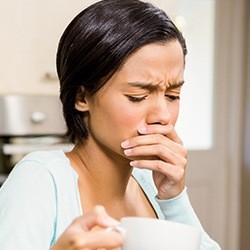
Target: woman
{"x": 121, "y": 70}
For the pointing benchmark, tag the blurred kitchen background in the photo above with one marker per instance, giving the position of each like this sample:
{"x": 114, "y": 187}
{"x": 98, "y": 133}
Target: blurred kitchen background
{"x": 214, "y": 121}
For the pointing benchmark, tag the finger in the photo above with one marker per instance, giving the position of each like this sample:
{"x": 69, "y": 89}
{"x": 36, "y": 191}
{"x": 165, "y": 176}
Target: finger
{"x": 154, "y": 139}
{"x": 97, "y": 217}
{"x": 101, "y": 212}
{"x": 172, "y": 172}
{"x": 167, "y": 130}
{"x": 96, "y": 239}
{"x": 160, "y": 151}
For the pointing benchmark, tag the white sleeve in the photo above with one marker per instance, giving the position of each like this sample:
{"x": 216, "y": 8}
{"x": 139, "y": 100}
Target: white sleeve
{"x": 179, "y": 209}
{"x": 27, "y": 208}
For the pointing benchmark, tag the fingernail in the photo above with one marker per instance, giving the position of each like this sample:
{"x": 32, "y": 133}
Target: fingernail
{"x": 109, "y": 221}
{"x": 142, "y": 129}
{"x": 128, "y": 151}
{"x": 100, "y": 209}
{"x": 125, "y": 144}
{"x": 117, "y": 228}
{"x": 133, "y": 163}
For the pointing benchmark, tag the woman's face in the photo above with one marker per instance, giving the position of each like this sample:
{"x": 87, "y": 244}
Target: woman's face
{"x": 144, "y": 91}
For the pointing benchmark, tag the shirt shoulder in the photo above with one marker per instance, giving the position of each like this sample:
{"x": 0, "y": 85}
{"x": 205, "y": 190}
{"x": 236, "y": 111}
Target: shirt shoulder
{"x": 42, "y": 188}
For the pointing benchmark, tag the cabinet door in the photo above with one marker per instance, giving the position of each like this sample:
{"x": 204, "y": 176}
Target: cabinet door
{"x": 30, "y": 31}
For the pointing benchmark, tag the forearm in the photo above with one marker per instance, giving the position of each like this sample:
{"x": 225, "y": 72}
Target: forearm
{"x": 179, "y": 209}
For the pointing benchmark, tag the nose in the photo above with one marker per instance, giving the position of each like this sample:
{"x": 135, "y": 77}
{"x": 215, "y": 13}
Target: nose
{"x": 159, "y": 112}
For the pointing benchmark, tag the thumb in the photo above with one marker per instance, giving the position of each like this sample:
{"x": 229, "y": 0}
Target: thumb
{"x": 97, "y": 217}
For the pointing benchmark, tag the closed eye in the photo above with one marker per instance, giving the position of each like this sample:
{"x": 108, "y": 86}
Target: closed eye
{"x": 136, "y": 99}
{"x": 172, "y": 98}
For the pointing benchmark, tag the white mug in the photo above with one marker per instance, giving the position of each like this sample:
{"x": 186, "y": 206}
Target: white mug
{"x": 155, "y": 234}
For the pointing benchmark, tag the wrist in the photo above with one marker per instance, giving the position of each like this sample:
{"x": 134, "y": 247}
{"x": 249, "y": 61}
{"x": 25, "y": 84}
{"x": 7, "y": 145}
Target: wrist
{"x": 170, "y": 194}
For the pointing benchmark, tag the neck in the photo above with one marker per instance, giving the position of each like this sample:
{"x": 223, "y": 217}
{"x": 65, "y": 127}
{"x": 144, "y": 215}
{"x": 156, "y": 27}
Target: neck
{"x": 104, "y": 173}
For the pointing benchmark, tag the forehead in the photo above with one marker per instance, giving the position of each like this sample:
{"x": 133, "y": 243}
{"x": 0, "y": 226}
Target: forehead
{"x": 153, "y": 63}
{"x": 169, "y": 51}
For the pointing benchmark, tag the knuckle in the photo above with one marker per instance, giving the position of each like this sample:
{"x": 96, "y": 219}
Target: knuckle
{"x": 158, "y": 138}
{"x": 74, "y": 242}
{"x": 172, "y": 154}
{"x": 185, "y": 153}
{"x": 161, "y": 150}
{"x": 159, "y": 166}
{"x": 183, "y": 162}
{"x": 179, "y": 174}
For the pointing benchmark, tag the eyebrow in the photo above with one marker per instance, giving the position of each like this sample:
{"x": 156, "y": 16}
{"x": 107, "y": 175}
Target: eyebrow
{"x": 150, "y": 86}
{"x": 176, "y": 85}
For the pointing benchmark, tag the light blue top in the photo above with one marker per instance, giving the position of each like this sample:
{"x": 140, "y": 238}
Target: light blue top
{"x": 40, "y": 199}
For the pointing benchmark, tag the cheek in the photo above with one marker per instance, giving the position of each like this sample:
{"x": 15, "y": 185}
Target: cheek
{"x": 114, "y": 125}
{"x": 174, "y": 111}
{"x": 128, "y": 119}
{"x": 118, "y": 118}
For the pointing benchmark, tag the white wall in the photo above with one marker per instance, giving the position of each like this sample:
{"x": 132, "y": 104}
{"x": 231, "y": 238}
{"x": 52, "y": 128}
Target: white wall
{"x": 30, "y": 31}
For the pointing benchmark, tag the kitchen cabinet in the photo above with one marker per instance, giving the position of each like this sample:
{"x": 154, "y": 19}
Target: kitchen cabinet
{"x": 30, "y": 31}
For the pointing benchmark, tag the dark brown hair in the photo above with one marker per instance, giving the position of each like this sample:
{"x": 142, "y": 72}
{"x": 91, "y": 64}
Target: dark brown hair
{"x": 98, "y": 41}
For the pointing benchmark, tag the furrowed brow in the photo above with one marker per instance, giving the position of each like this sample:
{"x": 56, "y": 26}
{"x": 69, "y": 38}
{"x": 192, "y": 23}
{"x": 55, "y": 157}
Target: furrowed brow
{"x": 176, "y": 85}
{"x": 150, "y": 86}
{"x": 143, "y": 85}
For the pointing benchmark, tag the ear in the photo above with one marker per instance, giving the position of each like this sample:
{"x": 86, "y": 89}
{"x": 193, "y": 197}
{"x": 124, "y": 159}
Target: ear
{"x": 81, "y": 103}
